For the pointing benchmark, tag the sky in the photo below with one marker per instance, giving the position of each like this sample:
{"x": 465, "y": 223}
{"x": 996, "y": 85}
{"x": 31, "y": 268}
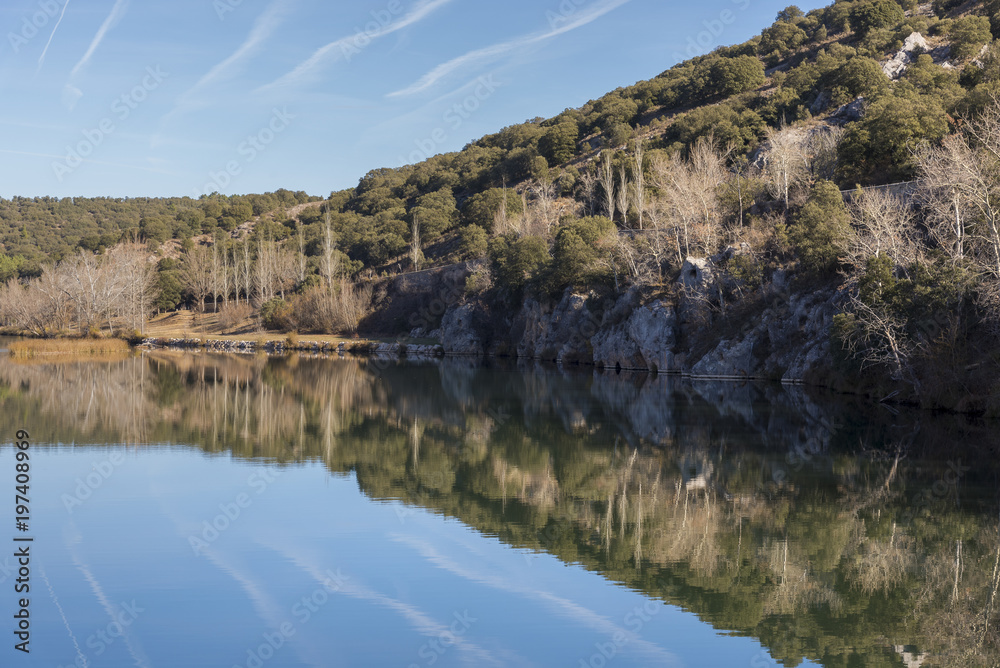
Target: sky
{"x": 135, "y": 98}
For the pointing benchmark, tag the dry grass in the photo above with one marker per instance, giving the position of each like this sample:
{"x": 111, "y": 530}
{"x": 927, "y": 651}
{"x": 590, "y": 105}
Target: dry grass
{"x": 29, "y": 348}
{"x": 193, "y": 325}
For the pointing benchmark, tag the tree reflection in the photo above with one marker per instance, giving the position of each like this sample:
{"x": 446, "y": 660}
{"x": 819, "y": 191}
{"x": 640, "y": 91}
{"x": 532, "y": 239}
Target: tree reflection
{"x": 829, "y": 533}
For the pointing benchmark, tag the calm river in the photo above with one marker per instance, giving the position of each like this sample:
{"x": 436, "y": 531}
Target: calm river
{"x": 212, "y": 510}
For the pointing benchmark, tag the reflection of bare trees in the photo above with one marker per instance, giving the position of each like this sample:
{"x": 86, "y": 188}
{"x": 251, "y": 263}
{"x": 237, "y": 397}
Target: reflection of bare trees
{"x": 691, "y": 519}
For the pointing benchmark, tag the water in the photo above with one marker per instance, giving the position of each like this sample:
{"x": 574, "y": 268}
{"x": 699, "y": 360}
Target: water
{"x": 212, "y": 510}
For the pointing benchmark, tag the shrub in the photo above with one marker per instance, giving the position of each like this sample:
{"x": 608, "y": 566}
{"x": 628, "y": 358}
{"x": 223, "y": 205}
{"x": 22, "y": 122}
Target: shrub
{"x": 821, "y": 228}
{"x": 968, "y": 35}
{"x": 233, "y": 315}
{"x": 472, "y": 242}
{"x": 868, "y": 16}
{"x": 276, "y": 314}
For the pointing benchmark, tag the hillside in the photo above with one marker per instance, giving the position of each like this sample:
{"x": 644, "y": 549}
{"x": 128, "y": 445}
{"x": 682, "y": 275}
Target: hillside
{"x": 743, "y": 182}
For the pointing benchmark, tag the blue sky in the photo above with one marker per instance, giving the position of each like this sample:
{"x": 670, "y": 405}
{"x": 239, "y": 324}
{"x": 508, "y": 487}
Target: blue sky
{"x": 140, "y": 98}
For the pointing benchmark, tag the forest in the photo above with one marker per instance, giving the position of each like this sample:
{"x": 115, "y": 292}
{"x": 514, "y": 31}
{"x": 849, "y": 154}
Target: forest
{"x": 857, "y": 145}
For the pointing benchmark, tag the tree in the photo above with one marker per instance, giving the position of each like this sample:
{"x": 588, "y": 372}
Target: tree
{"x": 437, "y": 213}
{"x": 874, "y": 14}
{"x": 639, "y": 182}
{"x": 731, "y": 76}
{"x": 484, "y": 207}
{"x": 968, "y": 35}
{"x": 789, "y": 13}
{"x": 880, "y": 147}
{"x": 860, "y": 77}
{"x": 558, "y": 144}
{"x": 473, "y": 242}
{"x": 197, "y": 273}
{"x": 517, "y": 261}
{"x": 784, "y": 161}
{"x": 821, "y": 229}
{"x": 577, "y": 251}
{"x": 606, "y": 176}
{"x": 416, "y": 254}
{"x": 884, "y": 226}
{"x": 131, "y": 265}
{"x": 168, "y": 286}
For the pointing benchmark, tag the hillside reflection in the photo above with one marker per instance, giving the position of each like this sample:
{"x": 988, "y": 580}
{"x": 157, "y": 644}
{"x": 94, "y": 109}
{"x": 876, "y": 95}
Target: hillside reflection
{"x": 829, "y": 533}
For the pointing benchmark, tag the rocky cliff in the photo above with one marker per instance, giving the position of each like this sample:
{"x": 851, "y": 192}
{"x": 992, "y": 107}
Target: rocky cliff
{"x": 783, "y": 337}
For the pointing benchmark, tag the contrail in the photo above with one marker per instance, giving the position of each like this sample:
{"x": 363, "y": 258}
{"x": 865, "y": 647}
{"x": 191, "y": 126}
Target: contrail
{"x": 116, "y": 13}
{"x": 41, "y": 58}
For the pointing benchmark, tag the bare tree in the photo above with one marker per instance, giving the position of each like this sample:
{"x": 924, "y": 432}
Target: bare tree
{"x": 130, "y": 264}
{"x": 302, "y": 253}
{"x": 785, "y": 161}
{"x": 544, "y": 193}
{"x": 246, "y": 271}
{"x": 225, "y": 275}
{"x": 265, "y": 268}
{"x": 287, "y": 269}
{"x": 622, "y": 194}
{"x": 884, "y": 225}
{"x": 416, "y": 253}
{"x": 330, "y": 261}
{"x": 197, "y": 273}
{"x": 38, "y": 307}
{"x": 821, "y": 146}
{"x": 588, "y": 188}
{"x": 639, "y": 182}
{"x": 963, "y": 175}
{"x": 93, "y": 287}
{"x": 606, "y": 176}
{"x": 691, "y": 191}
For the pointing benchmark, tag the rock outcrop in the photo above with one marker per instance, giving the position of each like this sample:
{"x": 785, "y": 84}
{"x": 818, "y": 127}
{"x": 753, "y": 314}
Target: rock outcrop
{"x": 458, "y": 333}
{"x": 786, "y": 338}
{"x": 912, "y": 46}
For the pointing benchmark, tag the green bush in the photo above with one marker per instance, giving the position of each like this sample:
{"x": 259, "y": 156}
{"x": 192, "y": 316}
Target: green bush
{"x": 968, "y": 35}
{"x": 868, "y": 16}
{"x": 821, "y": 228}
{"x": 473, "y": 242}
{"x": 276, "y": 314}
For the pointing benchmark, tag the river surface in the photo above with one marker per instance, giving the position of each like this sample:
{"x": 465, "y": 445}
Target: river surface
{"x": 190, "y": 509}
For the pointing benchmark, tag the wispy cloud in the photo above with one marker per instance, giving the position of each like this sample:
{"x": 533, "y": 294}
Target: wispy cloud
{"x": 41, "y": 58}
{"x": 117, "y": 12}
{"x": 490, "y": 53}
{"x": 262, "y": 29}
{"x": 347, "y": 45}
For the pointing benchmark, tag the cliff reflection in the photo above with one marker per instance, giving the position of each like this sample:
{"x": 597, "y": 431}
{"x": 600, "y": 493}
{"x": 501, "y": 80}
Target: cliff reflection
{"x": 848, "y": 538}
